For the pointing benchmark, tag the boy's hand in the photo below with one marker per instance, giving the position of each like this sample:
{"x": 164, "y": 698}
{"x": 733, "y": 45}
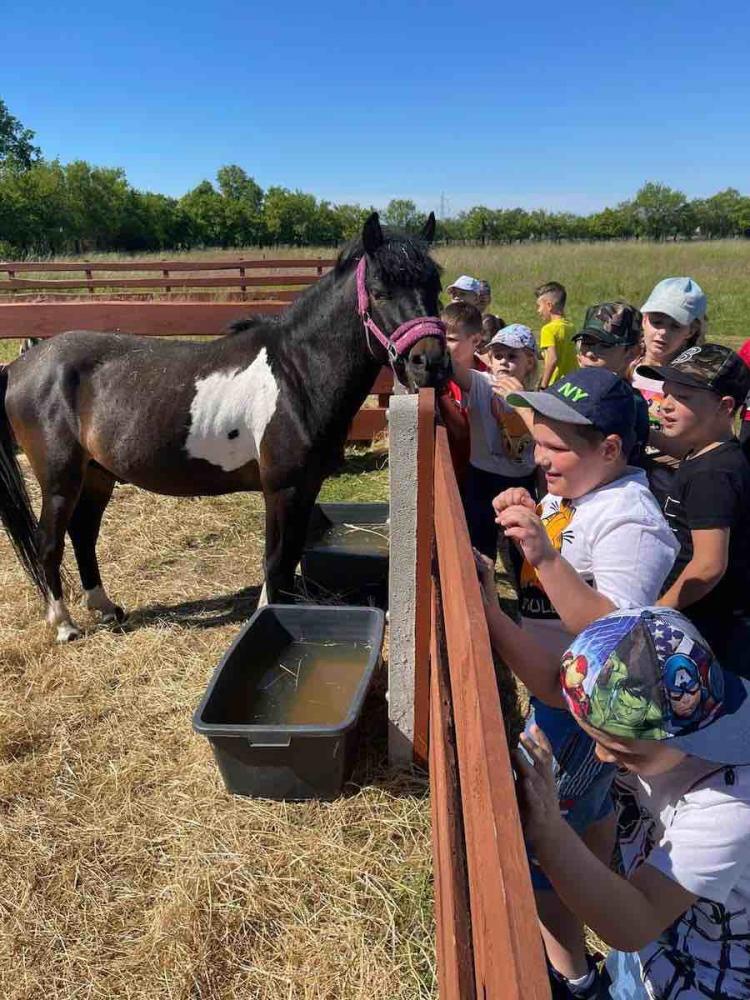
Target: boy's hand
{"x": 525, "y": 527}
{"x": 504, "y": 385}
{"x": 517, "y": 496}
{"x": 486, "y": 574}
{"x": 537, "y": 793}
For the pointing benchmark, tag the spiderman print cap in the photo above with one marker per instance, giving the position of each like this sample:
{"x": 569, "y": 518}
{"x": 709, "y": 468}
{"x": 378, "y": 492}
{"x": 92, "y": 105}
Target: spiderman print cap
{"x": 648, "y": 674}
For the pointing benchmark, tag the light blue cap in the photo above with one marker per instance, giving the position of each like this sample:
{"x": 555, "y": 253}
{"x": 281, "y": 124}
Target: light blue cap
{"x": 467, "y": 284}
{"x": 681, "y": 298}
{"x": 515, "y": 335}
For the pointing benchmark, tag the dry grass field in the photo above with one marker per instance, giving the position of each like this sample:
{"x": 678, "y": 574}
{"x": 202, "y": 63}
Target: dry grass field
{"x": 126, "y": 871}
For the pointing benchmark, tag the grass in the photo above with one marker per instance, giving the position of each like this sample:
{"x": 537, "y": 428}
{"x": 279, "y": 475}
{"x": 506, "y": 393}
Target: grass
{"x": 126, "y": 871}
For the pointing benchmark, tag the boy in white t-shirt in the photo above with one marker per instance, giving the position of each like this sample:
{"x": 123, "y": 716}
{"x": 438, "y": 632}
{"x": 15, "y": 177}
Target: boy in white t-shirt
{"x": 648, "y": 690}
{"x": 596, "y": 542}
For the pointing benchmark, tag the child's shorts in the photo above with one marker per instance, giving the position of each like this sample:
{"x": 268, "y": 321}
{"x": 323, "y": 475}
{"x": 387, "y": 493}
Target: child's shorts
{"x": 583, "y": 781}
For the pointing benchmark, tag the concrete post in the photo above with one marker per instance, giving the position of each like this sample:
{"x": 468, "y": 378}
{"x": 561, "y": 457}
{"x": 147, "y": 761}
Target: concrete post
{"x": 402, "y": 436}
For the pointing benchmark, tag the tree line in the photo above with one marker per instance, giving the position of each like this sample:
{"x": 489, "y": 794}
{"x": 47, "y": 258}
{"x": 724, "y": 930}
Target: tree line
{"x": 47, "y": 207}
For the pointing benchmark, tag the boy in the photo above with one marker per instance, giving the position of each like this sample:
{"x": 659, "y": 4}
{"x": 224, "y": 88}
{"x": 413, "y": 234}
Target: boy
{"x": 708, "y": 500}
{"x": 611, "y": 338}
{"x": 555, "y": 337}
{"x": 657, "y": 704}
{"x": 595, "y": 543}
{"x": 466, "y": 289}
{"x": 501, "y": 445}
{"x": 463, "y": 336}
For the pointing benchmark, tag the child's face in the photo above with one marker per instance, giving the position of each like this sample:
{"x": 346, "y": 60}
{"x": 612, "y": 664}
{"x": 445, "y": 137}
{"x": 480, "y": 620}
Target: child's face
{"x": 690, "y": 415}
{"x": 461, "y": 295}
{"x": 544, "y": 308}
{"x": 592, "y": 353}
{"x": 462, "y": 346}
{"x": 571, "y": 465}
{"x": 645, "y": 757}
{"x": 513, "y": 361}
{"x": 664, "y": 337}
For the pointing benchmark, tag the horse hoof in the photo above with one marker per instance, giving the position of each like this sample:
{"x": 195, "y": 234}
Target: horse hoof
{"x": 67, "y": 632}
{"x": 114, "y": 617}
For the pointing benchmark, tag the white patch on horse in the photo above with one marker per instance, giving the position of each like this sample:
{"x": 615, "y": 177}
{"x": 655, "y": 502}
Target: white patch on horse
{"x": 59, "y": 617}
{"x": 230, "y": 412}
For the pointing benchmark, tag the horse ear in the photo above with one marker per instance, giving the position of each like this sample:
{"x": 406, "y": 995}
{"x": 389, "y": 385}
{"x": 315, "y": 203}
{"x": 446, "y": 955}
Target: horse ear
{"x": 428, "y": 229}
{"x": 372, "y": 234}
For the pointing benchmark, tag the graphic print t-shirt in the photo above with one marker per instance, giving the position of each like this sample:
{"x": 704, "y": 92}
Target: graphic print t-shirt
{"x": 693, "y": 825}
{"x": 503, "y": 447}
{"x": 659, "y": 467}
{"x": 616, "y": 539}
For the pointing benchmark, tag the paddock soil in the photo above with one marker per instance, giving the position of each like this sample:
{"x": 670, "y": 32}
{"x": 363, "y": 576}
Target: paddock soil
{"x": 126, "y": 871}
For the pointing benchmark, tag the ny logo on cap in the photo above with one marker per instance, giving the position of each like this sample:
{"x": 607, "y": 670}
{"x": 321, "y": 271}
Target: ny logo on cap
{"x": 568, "y": 390}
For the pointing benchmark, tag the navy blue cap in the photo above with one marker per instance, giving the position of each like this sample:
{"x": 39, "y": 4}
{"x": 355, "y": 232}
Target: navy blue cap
{"x": 589, "y": 397}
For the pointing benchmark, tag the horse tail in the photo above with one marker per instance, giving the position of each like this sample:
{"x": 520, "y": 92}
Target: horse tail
{"x": 16, "y": 513}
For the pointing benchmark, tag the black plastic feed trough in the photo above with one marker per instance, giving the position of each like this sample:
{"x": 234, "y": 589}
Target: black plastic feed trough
{"x": 346, "y": 552}
{"x": 283, "y": 707}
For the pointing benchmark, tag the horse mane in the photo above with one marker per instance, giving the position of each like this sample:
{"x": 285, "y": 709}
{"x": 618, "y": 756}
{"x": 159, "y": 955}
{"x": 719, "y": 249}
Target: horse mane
{"x": 401, "y": 259}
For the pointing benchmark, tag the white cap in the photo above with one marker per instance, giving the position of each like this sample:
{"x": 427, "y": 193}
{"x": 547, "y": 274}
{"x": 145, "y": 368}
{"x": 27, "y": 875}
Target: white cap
{"x": 467, "y": 284}
{"x": 680, "y": 298}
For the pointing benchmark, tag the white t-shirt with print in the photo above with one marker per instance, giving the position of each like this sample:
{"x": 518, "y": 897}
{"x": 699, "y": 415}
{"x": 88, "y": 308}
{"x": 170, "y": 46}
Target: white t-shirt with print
{"x": 505, "y": 448}
{"x": 693, "y": 825}
{"x": 616, "y": 539}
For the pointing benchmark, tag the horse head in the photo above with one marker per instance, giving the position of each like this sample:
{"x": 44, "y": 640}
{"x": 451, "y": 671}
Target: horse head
{"x": 399, "y": 285}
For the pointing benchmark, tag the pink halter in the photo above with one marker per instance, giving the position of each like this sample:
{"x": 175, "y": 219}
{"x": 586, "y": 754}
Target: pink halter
{"x": 404, "y": 336}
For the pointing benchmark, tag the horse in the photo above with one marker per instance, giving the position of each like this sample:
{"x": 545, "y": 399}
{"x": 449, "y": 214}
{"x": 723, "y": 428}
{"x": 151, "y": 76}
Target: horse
{"x": 265, "y": 407}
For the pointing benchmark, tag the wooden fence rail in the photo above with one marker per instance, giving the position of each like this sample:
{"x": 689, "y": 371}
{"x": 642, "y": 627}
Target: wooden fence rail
{"x": 488, "y": 939}
{"x": 41, "y": 306}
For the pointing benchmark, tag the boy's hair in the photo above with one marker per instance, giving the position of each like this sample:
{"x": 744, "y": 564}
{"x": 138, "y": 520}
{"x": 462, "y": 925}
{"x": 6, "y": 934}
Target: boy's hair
{"x": 490, "y": 326}
{"x": 555, "y": 292}
{"x": 463, "y": 316}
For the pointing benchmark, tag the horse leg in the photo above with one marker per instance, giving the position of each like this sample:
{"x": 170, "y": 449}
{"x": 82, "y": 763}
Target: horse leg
{"x": 83, "y": 529}
{"x": 287, "y": 518}
{"x": 58, "y": 504}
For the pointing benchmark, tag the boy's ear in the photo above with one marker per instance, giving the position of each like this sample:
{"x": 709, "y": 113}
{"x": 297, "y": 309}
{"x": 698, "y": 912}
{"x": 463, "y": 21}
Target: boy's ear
{"x": 728, "y": 405}
{"x": 612, "y": 447}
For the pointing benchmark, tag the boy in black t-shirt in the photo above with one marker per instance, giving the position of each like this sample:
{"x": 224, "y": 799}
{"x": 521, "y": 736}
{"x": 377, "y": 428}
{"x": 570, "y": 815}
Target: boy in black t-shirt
{"x": 708, "y": 505}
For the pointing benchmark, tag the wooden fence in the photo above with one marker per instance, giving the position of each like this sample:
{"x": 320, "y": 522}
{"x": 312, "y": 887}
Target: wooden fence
{"x": 488, "y": 940}
{"x": 195, "y": 298}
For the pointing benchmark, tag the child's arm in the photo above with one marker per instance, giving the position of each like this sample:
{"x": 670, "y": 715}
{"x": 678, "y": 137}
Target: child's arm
{"x": 703, "y": 572}
{"x": 550, "y": 363}
{"x": 535, "y": 666}
{"x": 503, "y": 387}
{"x": 574, "y": 600}
{"x": 626, "y": 913}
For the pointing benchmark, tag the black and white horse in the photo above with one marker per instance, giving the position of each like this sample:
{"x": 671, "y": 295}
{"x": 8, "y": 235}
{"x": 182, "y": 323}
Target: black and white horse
{"x": 266, "y": 407}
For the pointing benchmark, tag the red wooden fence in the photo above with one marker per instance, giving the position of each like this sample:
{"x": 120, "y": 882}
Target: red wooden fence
{"x": 488, "y": 940}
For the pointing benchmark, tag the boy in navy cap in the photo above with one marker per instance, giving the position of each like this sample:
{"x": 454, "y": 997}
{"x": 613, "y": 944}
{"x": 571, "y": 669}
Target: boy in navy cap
{"x": 709, "y": 498}
{"x": 597, "y": 542}
{"x": 645, "y": 686}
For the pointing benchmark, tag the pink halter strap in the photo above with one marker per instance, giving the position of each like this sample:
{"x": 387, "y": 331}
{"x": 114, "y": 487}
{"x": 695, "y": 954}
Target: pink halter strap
{"x": 404, "y": 336}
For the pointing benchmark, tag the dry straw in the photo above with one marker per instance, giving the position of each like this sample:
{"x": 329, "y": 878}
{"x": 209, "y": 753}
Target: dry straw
{"x": 126, "y": 871}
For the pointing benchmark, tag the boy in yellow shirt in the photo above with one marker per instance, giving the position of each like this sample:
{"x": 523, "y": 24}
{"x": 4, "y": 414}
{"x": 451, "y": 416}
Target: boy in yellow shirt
{"x": 555, "y": 338}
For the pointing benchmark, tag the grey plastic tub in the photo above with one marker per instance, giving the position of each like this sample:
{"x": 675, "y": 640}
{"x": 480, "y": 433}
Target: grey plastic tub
{"x": 280, "y": 736}
{"x": 340, "y": 559}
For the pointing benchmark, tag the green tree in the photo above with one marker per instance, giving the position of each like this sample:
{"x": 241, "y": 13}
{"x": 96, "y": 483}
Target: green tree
{"x": 402, "y": 213}
{"x": 659, "y": 210}
{"x": 205, "y": 210}
{"x": 16, "y": 144}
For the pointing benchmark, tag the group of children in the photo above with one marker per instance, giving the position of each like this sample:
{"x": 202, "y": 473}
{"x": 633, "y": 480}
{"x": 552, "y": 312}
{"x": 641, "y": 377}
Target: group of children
{"x": 622, "y": 492}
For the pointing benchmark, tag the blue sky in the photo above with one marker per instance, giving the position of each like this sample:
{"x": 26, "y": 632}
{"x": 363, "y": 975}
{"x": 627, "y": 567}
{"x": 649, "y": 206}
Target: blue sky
{"x": 557, "y": 105}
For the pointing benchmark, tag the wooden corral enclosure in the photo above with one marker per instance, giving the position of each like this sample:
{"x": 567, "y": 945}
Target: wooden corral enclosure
{"x": 488, "y": 940}
{"x": 176, "y": 298}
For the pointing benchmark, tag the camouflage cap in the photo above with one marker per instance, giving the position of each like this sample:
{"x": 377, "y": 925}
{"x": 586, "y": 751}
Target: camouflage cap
{"x": 615, "y": 323}
{"x": 707, "y": 366}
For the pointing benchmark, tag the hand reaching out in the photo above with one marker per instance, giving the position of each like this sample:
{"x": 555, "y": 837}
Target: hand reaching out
{"x": 537, "y": 792}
